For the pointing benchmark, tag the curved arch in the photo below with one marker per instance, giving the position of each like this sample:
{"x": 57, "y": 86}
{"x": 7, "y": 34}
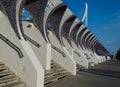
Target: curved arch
{"x": 80, "y": 36}
{"x": 97, "y": 49}
{"x": 12, "y": 9}
{"x": 88, "y": 40}
{"x": 94, "y": 46}
{"x": 54, "y": 18}
{"x": 74, "y": 32}
{"x": 84, "y": 39}
{"x": 64, "y": 30}
{"x": 37, "y": 10}
{"x": 91, "y": 43}
{"x": 100, "y": 49}
{"x": 81, "y": 28}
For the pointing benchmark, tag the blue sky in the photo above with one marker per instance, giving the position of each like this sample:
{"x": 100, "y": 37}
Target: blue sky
{"x": 103, "y": 20}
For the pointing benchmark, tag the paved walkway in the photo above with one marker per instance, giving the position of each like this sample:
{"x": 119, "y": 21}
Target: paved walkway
{"x": 106, "y": 74}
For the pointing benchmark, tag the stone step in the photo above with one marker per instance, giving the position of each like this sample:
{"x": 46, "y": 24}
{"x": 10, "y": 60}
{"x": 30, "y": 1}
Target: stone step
{"x": 4, "y": 73}
{"x": 1, "y": 63}
{"x": 91, "y": 63}
{"x": 55, "y": 65}
{"x": 8, "y": 78}
{"x": 2, "y": 68}
{"x": 55, "y": 74}
{"x": 14, "y": 84}
{"x": 78, "y": 67}
{"x": 55, "y": 78}
{"x": 53, "y": 71}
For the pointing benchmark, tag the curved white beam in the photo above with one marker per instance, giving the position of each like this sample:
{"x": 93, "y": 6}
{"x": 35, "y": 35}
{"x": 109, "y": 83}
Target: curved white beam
{"x": 92, "y": 44}
{"x": 74, "y": 24}
{"x": 86, "y": 39}
{"x": 55, "y": 4}
{"x": 82, "y": 37}
{"x": 81, "y": 28}
{"x": 85, "y": 16}
{"x": 89, "y": 41}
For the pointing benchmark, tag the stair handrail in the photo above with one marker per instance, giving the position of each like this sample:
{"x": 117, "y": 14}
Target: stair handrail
{"x": 32, "y": 41}
{"x": 77, "y": 53}
{"x": 12, "y": 45}
{"x": 58, "y": 50}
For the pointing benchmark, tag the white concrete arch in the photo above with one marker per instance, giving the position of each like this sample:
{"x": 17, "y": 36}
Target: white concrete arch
{"x": 56, "y": 4}
{"x": 66, "y": 15}
{"x": 101, "y": 59}
{"x": 87, "y": 39}
{"x": 74, "y": 24}
{"x": 80, "y": 44}
{"x": 84, "y": 39}
{"x": 29, "y": 63}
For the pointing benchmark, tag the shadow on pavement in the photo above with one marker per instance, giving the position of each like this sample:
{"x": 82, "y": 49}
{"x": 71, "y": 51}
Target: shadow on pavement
{"x": 109, "y": 73}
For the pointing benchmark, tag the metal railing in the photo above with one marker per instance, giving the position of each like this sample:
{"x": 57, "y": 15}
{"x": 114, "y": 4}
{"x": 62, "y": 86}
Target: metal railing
{"x": 17, "y": 49}
{"x": 86, "y": 54}
{"x": 32, "y": 41}
{"x": 92, "y": 55}
{"x": 77, "y": 53}
{"x": 58, "y": 50}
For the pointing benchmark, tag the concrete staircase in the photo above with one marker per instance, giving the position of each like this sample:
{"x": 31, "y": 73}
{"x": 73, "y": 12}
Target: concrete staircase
{"x": 91, "y": 63}
{"x": 55, "y": 74}
{"x": 79, "y": 67}
{"x": 8, "y": 78}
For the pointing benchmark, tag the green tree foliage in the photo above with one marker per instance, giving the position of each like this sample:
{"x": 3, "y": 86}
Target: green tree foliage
{"x": 118, "y": 54}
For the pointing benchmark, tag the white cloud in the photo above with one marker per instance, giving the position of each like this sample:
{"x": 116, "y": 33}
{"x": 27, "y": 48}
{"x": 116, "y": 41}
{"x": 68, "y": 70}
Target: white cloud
{"x": 113, "y": 16}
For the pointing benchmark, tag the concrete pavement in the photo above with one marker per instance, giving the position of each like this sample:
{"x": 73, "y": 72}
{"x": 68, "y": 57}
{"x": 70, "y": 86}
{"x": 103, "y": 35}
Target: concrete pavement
{"x": 106, "y": 74}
